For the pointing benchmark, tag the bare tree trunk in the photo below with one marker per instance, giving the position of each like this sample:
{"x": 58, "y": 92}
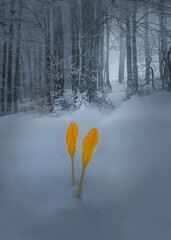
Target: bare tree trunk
{"x": 122, "y": 55}
{"x": 162, "y": 43}
{"x": 60, "y": 54}
{"x": 75, "y": 41}
{"x": 30, "y": 55}
{"x": 101, "y": 46}
{"x": 152, "y": 74}
{"x": 48, "y": 60}
{"x": 147, "y": 52}
{"x": 134, "y": 44}
{"x": 40, "y": 66}
{"x": 3, "y": 77}
{"x": 10, "y": 55}
{"x": 129, "y": 51}
{"x": 17, "y": 69}
{"x": 4, "y": 62}
{"x": 169, "y": 67}
{"x": 55, "y": 50}
{"x": 87, "y": 12}
{"x": 109, "y": 87}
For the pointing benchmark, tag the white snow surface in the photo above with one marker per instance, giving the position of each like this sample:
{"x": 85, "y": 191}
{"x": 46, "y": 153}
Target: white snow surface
{"x": 127, "y": 186}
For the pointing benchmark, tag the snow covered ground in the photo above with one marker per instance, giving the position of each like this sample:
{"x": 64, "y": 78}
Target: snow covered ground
{"x": 127, "y": 187}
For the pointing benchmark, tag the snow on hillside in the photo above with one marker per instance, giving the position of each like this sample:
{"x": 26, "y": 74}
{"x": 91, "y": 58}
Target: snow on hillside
{"x": 127, "y": 187}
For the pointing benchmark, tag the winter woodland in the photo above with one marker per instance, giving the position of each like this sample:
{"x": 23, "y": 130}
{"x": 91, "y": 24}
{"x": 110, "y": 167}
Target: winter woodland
{"x": 57, "y": 54}
{"x": 85, "y": 113}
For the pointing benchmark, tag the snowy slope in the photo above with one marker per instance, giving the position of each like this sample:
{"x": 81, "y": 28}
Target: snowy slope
{"x": 127, "y": 186}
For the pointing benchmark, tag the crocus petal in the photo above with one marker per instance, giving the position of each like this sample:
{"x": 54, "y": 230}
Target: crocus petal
{"x": 88, "y": 145}
{"x": 71, "y": 138}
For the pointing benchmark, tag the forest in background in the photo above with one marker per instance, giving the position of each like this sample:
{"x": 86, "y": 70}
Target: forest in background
{"x": 57, "y": 53}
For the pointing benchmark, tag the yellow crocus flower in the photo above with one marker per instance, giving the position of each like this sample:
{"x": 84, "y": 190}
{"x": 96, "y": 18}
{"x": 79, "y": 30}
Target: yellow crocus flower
{"x": 88, "y": 145}
{"x": 71, "y": 140}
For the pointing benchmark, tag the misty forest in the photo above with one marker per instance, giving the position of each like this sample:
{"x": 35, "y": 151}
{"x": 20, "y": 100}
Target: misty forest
{"x": 85, "y": 112}
{"x": 50, "y": 50}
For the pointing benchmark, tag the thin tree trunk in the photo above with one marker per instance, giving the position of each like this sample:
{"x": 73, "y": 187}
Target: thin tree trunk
{"x": 169, "y": 67}
{"x": 48, "y": 62}
{"x": 4, "y": 62}
{"x": 122, "y": 55}
{"x": 152, "y": 74}
{"x": 10, "y": 55}
{"x": 3, "y": 77}
{"x": 109, "y": 87}
{"x": 60, "y": 85}
{"x": 122, "y": 43}
{"x": 162, "y": 43}
{"x": 40, "y": 66}
{"x": 75, "y": 67}
{"x": 134, "y": 44}
{"x": 101, "y": 56}
{"x": 55, "y": 50}
{"x": 85, "y": 69}
{"x": 147, "y": 52}
{"x": 17, "y": 69}
{"x": 129, "y": 51}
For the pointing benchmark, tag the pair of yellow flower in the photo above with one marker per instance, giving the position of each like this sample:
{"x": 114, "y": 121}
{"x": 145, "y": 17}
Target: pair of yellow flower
{"x": 88, "y": 145}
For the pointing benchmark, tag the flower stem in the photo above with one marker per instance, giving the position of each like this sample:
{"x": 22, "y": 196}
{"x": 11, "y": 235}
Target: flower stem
{"x": 73, "y": 177}
{"x": 81, "y": 181}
